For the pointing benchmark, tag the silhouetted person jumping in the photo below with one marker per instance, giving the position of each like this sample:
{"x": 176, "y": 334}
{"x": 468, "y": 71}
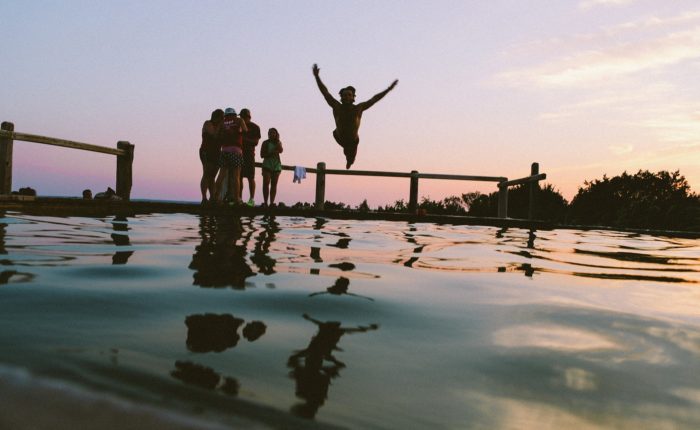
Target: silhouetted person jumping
{"x": 348, "y": 115}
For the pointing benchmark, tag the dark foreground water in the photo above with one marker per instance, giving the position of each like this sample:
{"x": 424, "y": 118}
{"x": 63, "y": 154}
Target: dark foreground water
{"x": 199, "y": 322}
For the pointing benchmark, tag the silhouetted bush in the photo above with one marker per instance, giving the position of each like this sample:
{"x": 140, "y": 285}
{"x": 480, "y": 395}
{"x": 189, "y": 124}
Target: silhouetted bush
{"x": 648, "y": 200}
{"x": 363, "y": 207}
{"x": 328, "y": 205}
{"x": 398, "y": 206}
{"x": 550, "y": 205}
{"x": 453, "y": 205}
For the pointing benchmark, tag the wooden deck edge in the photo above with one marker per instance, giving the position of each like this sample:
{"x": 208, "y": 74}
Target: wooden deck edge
{"x": 16, "y": 197}
{"x": 65, "y": 206}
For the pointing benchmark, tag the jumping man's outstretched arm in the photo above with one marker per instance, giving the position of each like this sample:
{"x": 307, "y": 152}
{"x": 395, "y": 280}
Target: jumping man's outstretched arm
{"x": 368, "y": 104}
{"x": 326, "y": 95}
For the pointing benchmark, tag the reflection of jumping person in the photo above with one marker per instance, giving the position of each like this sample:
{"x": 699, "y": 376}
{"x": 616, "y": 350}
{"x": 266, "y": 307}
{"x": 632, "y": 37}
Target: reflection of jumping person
{"x": 312, "y": 377}
{"x": 339, "y": 288}
{"x": 348, "y": 115}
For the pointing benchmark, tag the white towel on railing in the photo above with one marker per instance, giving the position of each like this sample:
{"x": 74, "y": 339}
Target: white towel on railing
{"x": 299, "y": 173}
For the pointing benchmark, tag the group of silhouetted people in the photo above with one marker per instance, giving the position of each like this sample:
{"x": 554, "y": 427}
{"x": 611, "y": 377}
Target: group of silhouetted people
{"x": 228, "y": 146}
{"x": 227, "y": 154}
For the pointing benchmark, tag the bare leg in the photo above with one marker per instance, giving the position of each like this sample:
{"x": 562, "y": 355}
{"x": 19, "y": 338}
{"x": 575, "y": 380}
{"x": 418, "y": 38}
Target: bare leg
{"x": 350, "y": 152}
{"x": 251, "y": 187}
{"x": 203, "y": 184}
{"x": 349, "y": 145}
{"x": 273, "y": 187}
{"x": 209, "y": 171}
{"x": 212, "y": 179}
{"x": 266, "y": 185}
{"x": 231, "y": 186}
{"x": 236, "y": 176}
{"x": 218, "y": 186}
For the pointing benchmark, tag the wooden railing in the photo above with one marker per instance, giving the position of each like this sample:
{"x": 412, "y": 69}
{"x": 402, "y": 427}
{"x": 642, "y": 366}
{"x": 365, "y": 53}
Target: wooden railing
{"x": 502, "y": 182}
{"x": 125, "y": 158}
{"x": 124, "y": 152}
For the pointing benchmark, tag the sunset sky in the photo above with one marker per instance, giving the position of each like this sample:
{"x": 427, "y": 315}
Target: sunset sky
{"x": 584, "y": 87}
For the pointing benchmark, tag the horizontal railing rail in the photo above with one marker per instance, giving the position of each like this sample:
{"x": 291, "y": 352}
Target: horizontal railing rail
{"x": 397, "y": 174}
{"x": 60, "y": 142}
{"x": 525, "y": 180}
{"x": 124, "y": 153}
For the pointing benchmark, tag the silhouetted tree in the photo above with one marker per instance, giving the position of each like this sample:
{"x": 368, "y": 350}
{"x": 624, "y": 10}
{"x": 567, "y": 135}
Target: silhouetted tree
{"x": 550, "y": 205}
{"x": 453, "y": 205}
{"x": 363, "y": 207}
{"x": 649, "y": 200}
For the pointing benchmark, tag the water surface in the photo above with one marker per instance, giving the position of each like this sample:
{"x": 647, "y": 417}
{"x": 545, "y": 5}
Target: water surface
{"x": 359, "y": 324}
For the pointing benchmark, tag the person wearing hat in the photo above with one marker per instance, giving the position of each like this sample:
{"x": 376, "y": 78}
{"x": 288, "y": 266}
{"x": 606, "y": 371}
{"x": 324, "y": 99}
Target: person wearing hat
{"x": 231, "y": 158}
{"x": 348, "y": 115}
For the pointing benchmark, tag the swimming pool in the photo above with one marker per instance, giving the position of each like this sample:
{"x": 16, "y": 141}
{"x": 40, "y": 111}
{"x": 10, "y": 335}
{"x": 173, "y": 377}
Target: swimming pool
{"x": 301, "y": 322}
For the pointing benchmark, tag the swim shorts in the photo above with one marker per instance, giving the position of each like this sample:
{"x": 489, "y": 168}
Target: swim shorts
{"x": 230, "y": 160}
{"x": 248, "y": 169}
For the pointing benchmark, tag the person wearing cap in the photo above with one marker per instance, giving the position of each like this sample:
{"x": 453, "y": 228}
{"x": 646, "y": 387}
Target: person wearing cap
{"x": 250, "y": 141}
{"x": 209, "y": 153}
{"x": 348, "y": 115}
{"x": 231, "y": 157}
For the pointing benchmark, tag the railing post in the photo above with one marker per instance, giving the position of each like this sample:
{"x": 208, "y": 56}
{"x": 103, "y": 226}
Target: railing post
{"x": 6, "y": 144}
{"x": 413, "y": 196}
{"x": 534, "y": 187}
{"x": 320, "y": 185}
{"x": 124, "y": 170}
{"x": 502, "y": 200}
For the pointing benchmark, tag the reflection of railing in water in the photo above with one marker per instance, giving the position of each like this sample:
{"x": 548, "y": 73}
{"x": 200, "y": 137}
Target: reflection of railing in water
{"x": 124, "y": 152}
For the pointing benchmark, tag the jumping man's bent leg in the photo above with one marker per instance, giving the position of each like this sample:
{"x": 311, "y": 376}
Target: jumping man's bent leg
{"x": 349, "y": 147}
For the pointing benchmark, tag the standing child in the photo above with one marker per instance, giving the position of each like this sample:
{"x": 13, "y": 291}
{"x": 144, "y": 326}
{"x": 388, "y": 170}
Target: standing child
{"x": 272, "y": 166}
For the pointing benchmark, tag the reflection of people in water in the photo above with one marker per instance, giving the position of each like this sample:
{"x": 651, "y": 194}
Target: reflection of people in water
{"x": 261, "y": 253}
{"x": 210, "y": 332}
{"x": 120, "y": 224}
{"x": 220, "y": 259}
{"x": 216, "y": 333}
{"x": 339, "y": 288}
{"x": 254, "y": 330}
{"x": 204, "y": 377}
{"x": 312, "y": 377}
